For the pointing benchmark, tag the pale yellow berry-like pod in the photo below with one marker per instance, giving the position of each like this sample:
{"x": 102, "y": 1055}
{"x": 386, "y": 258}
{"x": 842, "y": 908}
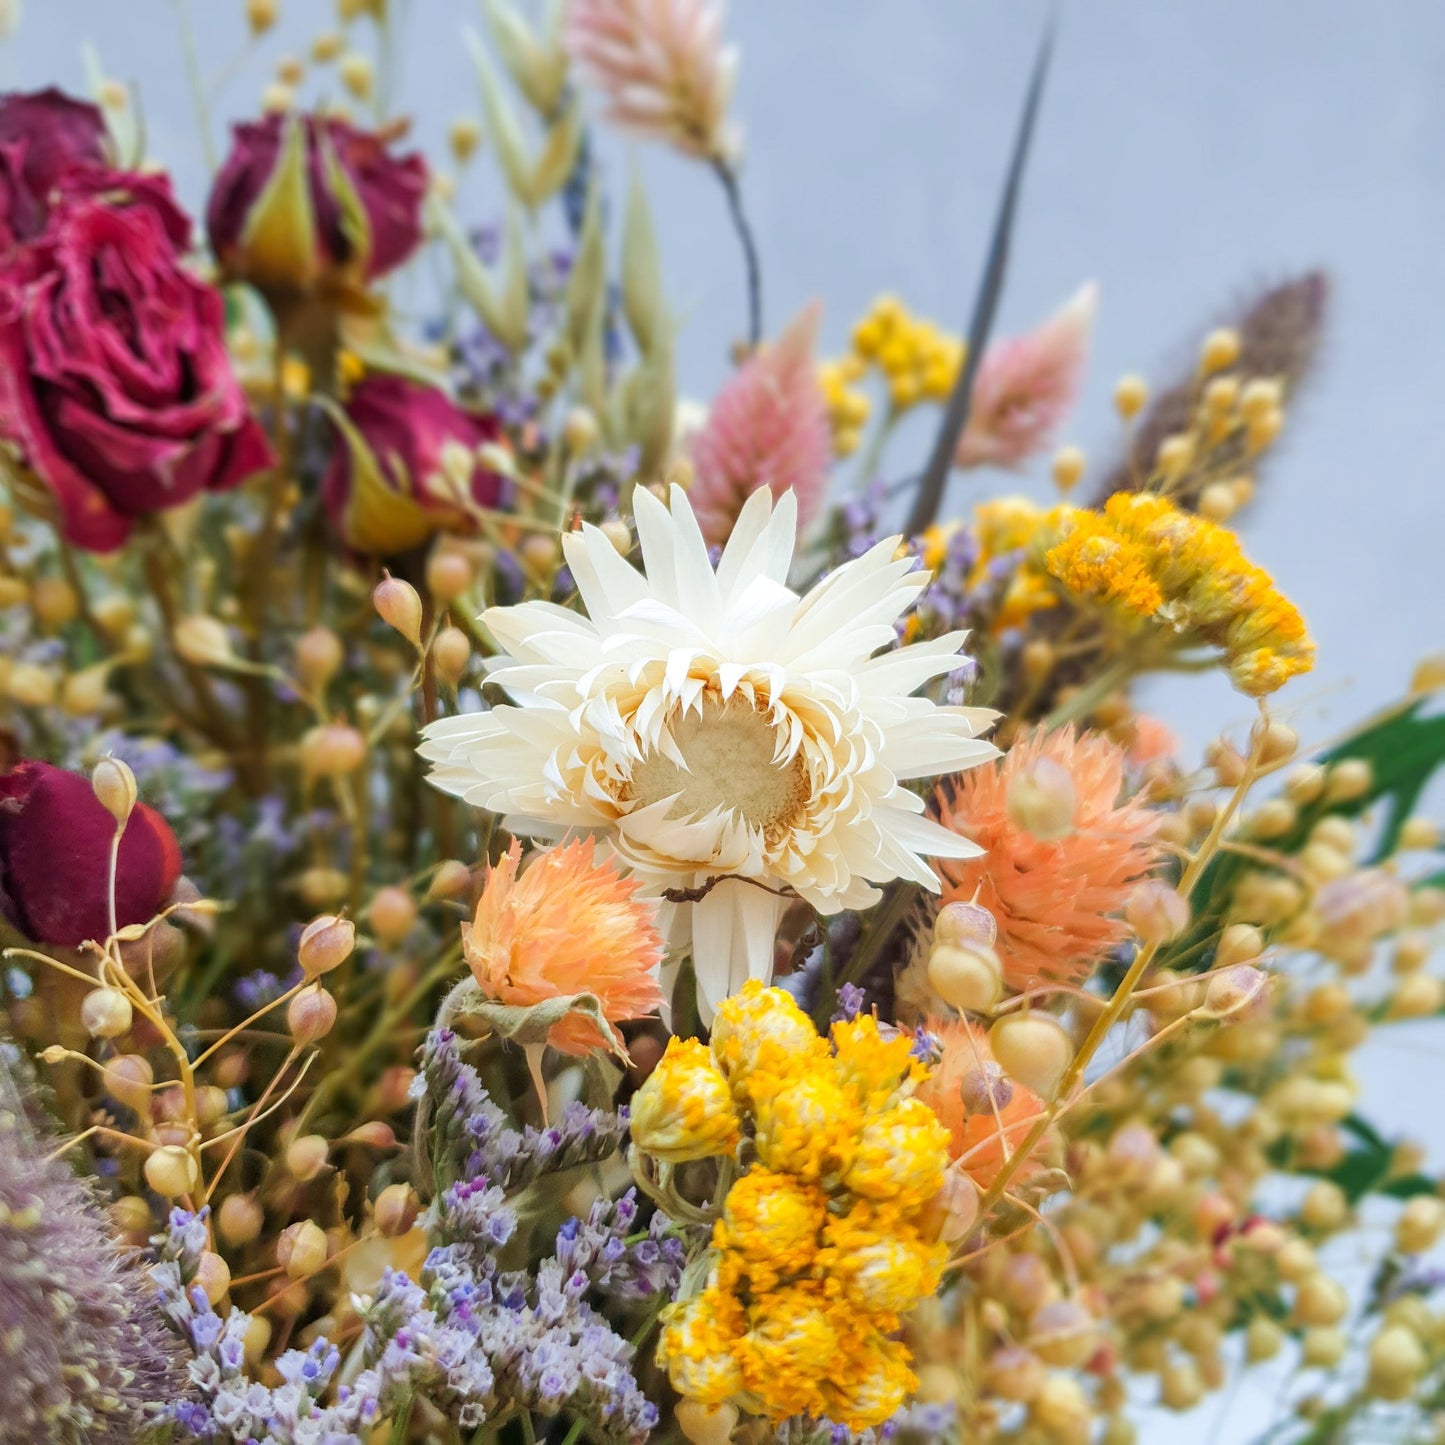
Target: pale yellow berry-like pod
{"x": 326, "y": 943}
{"x": 172, "y": 1171}
{"x": 1033, "y": 1049}
{"x": 967, "y": 979}
{"x": 1042, "y": 800}
{"x": 105, "y": 1013}
{"x": 301, "y": 1249}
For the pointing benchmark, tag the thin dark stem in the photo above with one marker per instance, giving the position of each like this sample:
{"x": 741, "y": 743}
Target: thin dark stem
{"x": 733, "y": 192}
{"x": 955, "y": 417}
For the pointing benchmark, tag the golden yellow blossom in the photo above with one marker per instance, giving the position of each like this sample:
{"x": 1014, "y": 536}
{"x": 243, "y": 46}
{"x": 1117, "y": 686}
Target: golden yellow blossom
{"x": 685, "y": 1109}
{"x": 900, "y": 1155}
{"x": 761, "y": 1039}
{"x": 1146, "y": 559}
{"x": 773, "y": 1223}
{"x": 697, "y": 1342}
{"x": 810, "y": 1127}
{"x": 873, "y": 1069}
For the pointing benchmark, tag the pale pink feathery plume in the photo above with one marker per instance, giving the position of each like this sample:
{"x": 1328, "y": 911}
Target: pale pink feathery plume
{"x": 662, "y": 68}
{"x": 1026, "y": 386}
{"x": 767, "y": 428}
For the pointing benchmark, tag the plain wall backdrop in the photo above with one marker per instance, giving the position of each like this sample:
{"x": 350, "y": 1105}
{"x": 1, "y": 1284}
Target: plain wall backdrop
{"x": 1187, "y": 151}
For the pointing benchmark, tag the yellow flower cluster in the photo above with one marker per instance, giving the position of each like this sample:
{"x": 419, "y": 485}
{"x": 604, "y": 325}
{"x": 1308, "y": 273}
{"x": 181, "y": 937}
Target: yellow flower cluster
{"x": 848, "y": 405}
{"x": 918, "y": 360}
{"x": 1146, "y": 558}
{"x": 823, "y": 1244}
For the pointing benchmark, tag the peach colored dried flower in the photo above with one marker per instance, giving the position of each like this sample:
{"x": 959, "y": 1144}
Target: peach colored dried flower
{"x": 1026, "y": 385}
{"x": 661, "y": 67}
{"x": 568, "y": 925}
{"x": 1056, "y": 902}
{"x": 768, "y": 428}
{"x": 986, "y": 1114}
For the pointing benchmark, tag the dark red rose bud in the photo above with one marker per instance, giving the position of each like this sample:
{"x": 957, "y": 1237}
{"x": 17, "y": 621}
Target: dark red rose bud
{"x": 407, "y": 466}
{"x": 43, "y": 134}
{"x": 115, "y": 383}
{"x": 304, "y": 200}
{"x": 55, "y": 839}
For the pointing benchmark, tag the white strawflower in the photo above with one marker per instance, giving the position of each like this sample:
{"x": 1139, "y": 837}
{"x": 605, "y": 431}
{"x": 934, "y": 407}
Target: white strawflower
{"x": 729, "y": 737}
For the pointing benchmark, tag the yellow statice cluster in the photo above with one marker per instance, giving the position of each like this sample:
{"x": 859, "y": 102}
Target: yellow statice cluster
{"x": 824, "y": 1242}
{"x": 848, "y": 405}
{"x": 1145, "y": 558}
{"x": 919, "y": 361}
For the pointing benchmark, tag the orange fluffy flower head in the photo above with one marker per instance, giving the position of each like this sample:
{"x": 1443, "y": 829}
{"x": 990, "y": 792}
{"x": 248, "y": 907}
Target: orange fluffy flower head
{"x": 1056, "y": 899}
{"x": 986, "y": 1114}
{"x": 568, "y": 925}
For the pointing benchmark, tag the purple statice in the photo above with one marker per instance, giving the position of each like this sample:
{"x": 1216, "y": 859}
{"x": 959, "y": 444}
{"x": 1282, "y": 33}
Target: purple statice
{"x": 472, "y": 1137}
{"x": 233, "y": 1406}
{"x": 620, "y": 1260}
{"x": 851, "y": 999}
{"x": 84, "y": 1354}
{"x": 917, "y": 1424}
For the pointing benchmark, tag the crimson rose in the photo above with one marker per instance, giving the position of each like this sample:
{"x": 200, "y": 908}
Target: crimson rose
{"x": 43, "y": 134}
{"x": 55, "y": 839}
{"x": 115, "y": 384}
{"x": 407, "y": 466}
{"x": 304, "y": 200}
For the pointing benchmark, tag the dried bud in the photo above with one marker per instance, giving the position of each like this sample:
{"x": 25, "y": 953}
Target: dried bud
{"x": 301, "y": 1249}
{"x": 464, "y": 136}
{"x": 706, "y": 1424}
{"x": 1274, "y": 742}
{"x": 452, "y": 651}
{"x": 965, "y": 925}
{"x": 1397, "y": 1360}
{"x": 128, "y": 1079}
{"x": 319, "y": 656}
{"x": 1237, "y": 992}
{"x": 1304, "y": 783}
{"x": 580, "y": 431}
{"x": 398, "y": 605}
{"x": 1420, "y": 1224}
{"x": 453, "y": 879}
{"x": 326, "y": 942}
{"x": 1349, "y": 779}
{"x": 202, "y": 641}
{"x": 393, "y": 912}
{"x": 967, "y": 979}
{"x": 619, "y": 534}
{"x": 261, "y": 15}
{"x": 1131, "y": 395}
{"x": 114, "y": 786}
{"x": 986, "y": 1088}
{"x": 357, "y": 74}
{"x": 1063, "y": 1333}
{"x": 396, "y": 1210}
{"x": 1069, "y": 464}
{"x": 1042, "y": 799}
{"x": 306, "y": 1157}
{"x": 240, "y": 1219}
{"x": 172, "y": 1171}
{"x": 311, "y": 1015}
{"x": 1014, "y": 1373}
{"x": 332, "y": 750}
{"x": 1156, "y": 912}
{"x": 213, "y": 1276}
{"x": 1220, "y": 350}
{"x": 1032, "y": 1048}
{"x": 105, "y": 1013}
{"x": 374, "y": 1134}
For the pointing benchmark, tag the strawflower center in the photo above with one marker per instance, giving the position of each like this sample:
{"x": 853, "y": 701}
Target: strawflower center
{"x": 729, "y": 750}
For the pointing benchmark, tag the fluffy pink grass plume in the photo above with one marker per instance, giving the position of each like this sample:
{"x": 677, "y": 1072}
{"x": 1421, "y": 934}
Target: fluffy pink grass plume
{"x": 1056, "y": 902}
{"x": 569, "y": 924}
{"x": 1027, "y": 385}
{"x": 767, "y": 428}
{"x": 662, "y": 68}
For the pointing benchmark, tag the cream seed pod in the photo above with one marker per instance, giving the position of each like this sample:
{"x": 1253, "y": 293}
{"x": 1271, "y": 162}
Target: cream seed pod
{"x": 967, "y": 979}
{"x": 398, "y": 605}
{"x": 1042, "y": 800}
{"x": 326, "y": 943}
{"x": 105, "y": 1013}
{"x": 114, "y": 786}
{"x": 311, "y": 1015}
{"x": 302, "y": 1249}
{"x": 240, "y": 1219}
{"x": 172, "y": 1171}
{"x": 706, "y": 1424}
{"x": 1032, "y": 1048}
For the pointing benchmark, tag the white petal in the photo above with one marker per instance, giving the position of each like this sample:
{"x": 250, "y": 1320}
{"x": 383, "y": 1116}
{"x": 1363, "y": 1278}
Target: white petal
{"x": 733, "y": 930}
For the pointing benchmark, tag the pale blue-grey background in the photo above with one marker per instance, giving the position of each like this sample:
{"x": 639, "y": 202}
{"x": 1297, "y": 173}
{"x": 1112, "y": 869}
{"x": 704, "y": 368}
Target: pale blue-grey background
{"x": 1187, "y": 150}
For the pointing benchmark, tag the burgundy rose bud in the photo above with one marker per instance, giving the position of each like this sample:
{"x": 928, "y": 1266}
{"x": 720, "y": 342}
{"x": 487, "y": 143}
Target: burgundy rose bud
{"x": 408, "y": 466}
{"x": 43, "y": 134}
{"x": 115, "y": 384}
{"x": 304, "y": 199}
{"x": 55, "y": 838}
